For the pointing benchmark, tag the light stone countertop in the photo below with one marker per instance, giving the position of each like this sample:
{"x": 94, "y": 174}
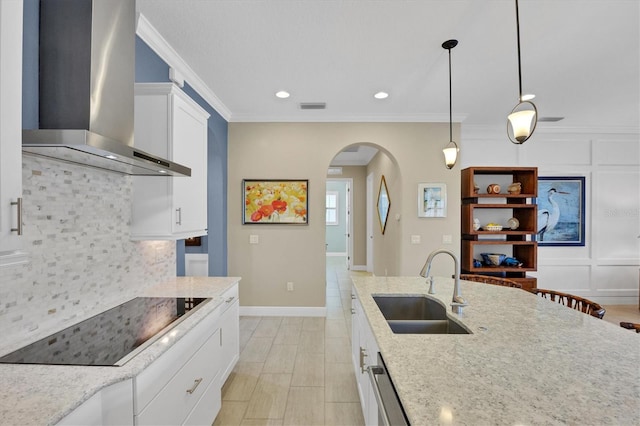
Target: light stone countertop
{"x": 44, "y": 394}
{"x": 529, "y": 361}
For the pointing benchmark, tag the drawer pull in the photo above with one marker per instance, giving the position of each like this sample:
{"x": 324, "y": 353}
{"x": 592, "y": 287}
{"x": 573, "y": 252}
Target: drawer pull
{"x": 353, "y": 311}
{"x": 18, "y": 204}
{"x": 196, "y": 383}
{"x": 229, "y": 299}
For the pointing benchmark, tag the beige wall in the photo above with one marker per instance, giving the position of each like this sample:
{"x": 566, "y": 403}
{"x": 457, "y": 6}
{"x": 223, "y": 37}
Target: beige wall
{"x": 304, "y": 151}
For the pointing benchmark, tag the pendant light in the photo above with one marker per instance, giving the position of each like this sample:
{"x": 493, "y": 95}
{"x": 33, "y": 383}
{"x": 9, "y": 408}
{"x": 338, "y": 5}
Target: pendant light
{"x": 523, "y": 118}
{"x": 451, "y": 150}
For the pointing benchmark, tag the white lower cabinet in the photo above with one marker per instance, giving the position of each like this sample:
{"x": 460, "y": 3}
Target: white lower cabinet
{"x": 230, "y": 333}
{"x": 173, "y": 404}
{"x": 113, "y": 405}
{"x": 182, "y": 386}
{"x": 364, "y": 352}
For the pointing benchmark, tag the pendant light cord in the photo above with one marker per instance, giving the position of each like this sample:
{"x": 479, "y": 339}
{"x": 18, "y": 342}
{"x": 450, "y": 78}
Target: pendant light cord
{"x": 450, "y": 103}
{"x": 519, "y": 65}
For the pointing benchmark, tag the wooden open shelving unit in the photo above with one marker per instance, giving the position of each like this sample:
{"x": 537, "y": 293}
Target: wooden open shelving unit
{"x": 499, "y": 208}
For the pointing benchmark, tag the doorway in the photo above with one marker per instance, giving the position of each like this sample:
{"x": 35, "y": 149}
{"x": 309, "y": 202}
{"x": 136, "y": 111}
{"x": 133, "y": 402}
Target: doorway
{"x": 339, "y": 227}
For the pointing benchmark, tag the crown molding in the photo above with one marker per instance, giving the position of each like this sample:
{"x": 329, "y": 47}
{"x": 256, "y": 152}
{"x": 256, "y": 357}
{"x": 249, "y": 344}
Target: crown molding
{"x": 319, "y": 117}
{"x": 158, "y": 44}
{"x": 479, "y": 130}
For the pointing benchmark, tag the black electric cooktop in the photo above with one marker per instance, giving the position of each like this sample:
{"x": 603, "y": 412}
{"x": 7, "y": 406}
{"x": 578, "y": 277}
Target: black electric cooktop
{"x": 111, "y": 337}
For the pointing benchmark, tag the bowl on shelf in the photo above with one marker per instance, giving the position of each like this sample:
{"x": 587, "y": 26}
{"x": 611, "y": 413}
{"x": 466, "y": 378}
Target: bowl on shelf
{"x": 493, "y": 259}
{"x": 493, "y": 227}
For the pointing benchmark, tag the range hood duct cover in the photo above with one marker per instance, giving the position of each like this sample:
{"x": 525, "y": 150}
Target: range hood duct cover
{"x": 87, "y": 73}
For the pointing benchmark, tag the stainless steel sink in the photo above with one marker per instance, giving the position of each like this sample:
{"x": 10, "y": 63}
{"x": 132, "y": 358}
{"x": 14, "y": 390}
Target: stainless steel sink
{"x": 417, "y": 315}
{"x": 410, "y": 308}
{"x": 426, "y": 327}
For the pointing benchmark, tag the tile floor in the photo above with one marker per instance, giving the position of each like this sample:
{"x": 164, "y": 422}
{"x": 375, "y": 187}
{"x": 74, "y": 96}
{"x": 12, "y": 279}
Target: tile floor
{"x": 297, "y": 371}
{"x": 294, "y": 370}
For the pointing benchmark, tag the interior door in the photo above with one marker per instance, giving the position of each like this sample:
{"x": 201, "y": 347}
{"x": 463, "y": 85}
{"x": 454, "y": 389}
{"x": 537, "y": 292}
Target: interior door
{"x": 370, "y": 222}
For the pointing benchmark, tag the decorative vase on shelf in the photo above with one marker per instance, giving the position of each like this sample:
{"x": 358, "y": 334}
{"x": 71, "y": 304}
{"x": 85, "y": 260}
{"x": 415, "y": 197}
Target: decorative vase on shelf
{"x": 476, "y": 224}
{"x": 494, "y": 188}
{"x": 515, "y": 188}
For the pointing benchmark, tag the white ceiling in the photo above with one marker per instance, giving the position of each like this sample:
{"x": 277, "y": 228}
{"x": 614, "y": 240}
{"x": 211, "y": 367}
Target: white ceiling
{"x": 580, "y": 57}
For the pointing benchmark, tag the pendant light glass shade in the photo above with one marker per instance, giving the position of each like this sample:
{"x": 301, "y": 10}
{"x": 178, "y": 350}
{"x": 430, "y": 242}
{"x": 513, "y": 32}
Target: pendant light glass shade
{"x": 450, "y": 154}
{"x": 451, "y": 150}
{"x": 523, "y": 118}
{"x": 522, "y": 122}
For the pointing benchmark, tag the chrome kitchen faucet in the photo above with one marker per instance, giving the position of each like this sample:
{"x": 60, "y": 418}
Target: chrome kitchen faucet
{"x": 457, "y": 302}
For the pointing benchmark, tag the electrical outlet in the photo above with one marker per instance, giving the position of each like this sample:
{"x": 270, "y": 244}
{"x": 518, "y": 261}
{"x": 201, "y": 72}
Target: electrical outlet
{"x": 254, "y": 239}
{"x": 290, "y": 286}
{"x": 415, "y": 239}
{"x": 447, "y": 239}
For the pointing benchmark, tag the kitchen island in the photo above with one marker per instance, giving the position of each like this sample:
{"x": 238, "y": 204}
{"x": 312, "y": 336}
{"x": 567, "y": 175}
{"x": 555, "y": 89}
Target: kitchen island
{"x": 45, "y": 394}
{"x": 529, "y": 361}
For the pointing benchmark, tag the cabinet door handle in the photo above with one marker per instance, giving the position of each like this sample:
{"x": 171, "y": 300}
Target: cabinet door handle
{"x": 229, "y": 299}
{"x": 179, "y": 216}
{"x": 363, "y": 355}
{"x": 353, "y": 311}
{"x": 196, "y": 383}
{"x": 18, "y": 204}
{"x": 353, "y": 296}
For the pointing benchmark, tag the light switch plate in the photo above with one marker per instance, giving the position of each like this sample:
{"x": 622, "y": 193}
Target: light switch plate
{"x": 447, "y": 239}
{"x": 415, "y": 239}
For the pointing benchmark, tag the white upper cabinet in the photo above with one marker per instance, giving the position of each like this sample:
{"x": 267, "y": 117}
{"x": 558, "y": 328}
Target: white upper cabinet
{"x": 170, "y": 124}
{"x": 11, "y": 132}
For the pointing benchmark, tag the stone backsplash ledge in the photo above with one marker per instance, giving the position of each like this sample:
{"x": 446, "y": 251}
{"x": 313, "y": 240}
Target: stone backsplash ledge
{"x": 76, "y": 229}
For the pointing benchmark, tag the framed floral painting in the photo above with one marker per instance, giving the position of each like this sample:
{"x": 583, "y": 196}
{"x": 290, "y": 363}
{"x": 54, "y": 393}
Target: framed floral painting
{"x": 274, "y": 202}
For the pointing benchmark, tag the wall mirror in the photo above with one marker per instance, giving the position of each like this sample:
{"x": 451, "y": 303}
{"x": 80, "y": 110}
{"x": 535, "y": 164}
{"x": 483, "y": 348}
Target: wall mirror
{"x": 384, "y": 203}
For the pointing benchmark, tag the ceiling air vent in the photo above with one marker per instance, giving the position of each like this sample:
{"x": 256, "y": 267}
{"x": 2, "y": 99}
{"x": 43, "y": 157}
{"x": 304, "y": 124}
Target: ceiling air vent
{"x": 313, "y": 105}
{"x": 334, "y": 171}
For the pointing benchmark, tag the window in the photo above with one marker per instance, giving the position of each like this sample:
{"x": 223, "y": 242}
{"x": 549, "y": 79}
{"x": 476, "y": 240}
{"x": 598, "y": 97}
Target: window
{"x": 332, "y": 208}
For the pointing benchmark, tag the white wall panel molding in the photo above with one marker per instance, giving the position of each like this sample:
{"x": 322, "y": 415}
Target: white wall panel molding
{"x": 618, "y": 262}
{"x": 158, "y": 44}
{"x": 617, "y": 152}
{"x": 564, "y": 262}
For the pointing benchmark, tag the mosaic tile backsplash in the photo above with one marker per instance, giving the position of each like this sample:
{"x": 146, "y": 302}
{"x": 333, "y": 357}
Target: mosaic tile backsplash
{"x": 76, "y": 226}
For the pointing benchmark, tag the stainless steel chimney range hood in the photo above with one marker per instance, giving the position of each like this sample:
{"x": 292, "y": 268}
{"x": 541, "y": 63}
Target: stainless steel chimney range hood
{"x": 87, "y": 72}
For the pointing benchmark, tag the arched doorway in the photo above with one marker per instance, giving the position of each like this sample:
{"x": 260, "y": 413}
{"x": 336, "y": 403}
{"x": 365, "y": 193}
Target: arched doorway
{"x": 359, "y": 168}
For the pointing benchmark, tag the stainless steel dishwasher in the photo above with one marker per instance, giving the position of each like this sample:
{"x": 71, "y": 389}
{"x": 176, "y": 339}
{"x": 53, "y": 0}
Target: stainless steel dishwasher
{"x": 390, "y": 412}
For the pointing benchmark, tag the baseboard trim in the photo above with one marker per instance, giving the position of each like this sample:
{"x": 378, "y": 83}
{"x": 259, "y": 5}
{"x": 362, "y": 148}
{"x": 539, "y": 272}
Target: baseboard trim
{"x": 283, "y": 311}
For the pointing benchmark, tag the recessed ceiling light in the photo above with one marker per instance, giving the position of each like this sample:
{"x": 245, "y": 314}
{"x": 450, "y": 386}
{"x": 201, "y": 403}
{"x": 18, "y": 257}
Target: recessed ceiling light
{"x": 528, "y": 96}
{"x": 381, "y": 95}
{"x": 283, "y": 94}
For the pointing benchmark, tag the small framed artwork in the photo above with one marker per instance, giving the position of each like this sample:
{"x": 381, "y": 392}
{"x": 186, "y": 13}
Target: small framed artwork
{"x": 383, "y": 205}
{"x": 267, "y": 201}
{"x": 561, "y": 204}
{"x": 432, "y": 200}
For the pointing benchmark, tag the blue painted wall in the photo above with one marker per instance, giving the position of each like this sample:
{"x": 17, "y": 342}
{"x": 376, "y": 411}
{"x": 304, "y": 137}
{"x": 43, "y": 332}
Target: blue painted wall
{"x": 151, "y": 68}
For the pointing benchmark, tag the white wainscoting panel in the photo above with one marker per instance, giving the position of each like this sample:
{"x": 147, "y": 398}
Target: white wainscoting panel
{"x": 196, "y": 264}
{"x": 570, "y": 278}
{"x": 617, "y": 152}
{"x": 617, "y": 215}
{"x": 550, "y": 151}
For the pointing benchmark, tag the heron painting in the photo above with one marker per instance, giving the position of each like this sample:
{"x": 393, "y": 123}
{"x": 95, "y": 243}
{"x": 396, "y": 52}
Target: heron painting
{"x": 561, "y": 204}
